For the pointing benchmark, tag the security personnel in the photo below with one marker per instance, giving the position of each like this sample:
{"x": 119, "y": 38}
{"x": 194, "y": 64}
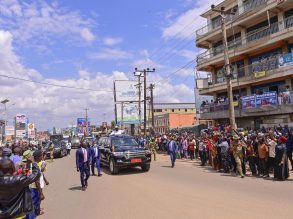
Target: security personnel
{"x": 237, "y": 147}
{"x": 83, "y": 164}
{"x": 95, "y": 158}
{"x": 152, "y": 146}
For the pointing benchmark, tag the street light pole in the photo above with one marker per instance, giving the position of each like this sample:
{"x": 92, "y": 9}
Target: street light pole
{"x": 228, "y": 71}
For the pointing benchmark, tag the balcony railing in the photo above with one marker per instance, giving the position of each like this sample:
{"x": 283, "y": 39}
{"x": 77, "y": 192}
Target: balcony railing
{"x": 258, "y": 69}
{"x": 249, "y": 38}
{"x": 282, "y": 98}
{"x": 249, "y": 6}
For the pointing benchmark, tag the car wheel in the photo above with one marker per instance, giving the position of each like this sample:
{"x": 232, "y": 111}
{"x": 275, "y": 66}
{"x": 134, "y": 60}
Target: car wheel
{"x": 146, "y": 167}
{"x": 112, "y": 167}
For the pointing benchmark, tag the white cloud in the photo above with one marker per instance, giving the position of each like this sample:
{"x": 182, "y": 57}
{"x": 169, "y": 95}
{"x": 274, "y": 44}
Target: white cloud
{"x": 39, "y": 19}
{"x": 188, "y": 54}
{"x": 110, "y": 54}
{"x": 112, "y": 41}
{"x": 49, "y": 106}
{"x": 87, "y": 35}
{"x": 185, "y": 24}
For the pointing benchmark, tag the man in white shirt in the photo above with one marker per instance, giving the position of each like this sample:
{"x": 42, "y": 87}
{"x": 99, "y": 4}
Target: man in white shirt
{"x": 68, "y": 147}
{"x": 116, "y": 131}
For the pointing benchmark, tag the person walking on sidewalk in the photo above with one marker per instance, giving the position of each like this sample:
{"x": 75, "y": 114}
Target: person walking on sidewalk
{"x": 173, "y": 151}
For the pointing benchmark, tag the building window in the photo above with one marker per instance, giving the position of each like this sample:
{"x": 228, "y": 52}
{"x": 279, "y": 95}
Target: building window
{"x": 158, "y": 110}
{"x": 172, "y": 110}
{"x": 185, "y": 110}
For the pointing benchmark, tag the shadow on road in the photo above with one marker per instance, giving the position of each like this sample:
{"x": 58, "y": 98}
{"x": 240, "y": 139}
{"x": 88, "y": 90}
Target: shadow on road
{"x": 75, "y": 188}
{"x": 166, "y": 166}
{"x": 124, "y": 171}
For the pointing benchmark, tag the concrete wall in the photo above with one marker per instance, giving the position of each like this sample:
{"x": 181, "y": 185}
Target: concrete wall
{"x": 179, "y": 120}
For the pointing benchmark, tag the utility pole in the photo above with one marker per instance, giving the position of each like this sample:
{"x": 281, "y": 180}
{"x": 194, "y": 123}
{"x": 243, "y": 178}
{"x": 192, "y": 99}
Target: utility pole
{"x": 145, "y": 71}
{"x": 86, "y": 120}
{"x": 152, "y": 86}
{"x": 228, "y": 71}
{"x": 139, "y": 102}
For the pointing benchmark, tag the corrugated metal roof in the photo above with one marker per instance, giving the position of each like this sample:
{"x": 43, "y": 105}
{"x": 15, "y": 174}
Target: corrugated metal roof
{"x": 174, "y": 105}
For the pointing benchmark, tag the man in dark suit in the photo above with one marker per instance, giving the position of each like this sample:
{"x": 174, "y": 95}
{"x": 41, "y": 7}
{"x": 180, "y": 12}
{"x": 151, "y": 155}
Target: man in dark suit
{"x": 83, "y": 160}
{"x": 172, "y": 148}
{"x": 95, "y": 158}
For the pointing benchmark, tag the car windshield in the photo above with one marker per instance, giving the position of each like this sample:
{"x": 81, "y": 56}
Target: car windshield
{"x": 121, "y": 142}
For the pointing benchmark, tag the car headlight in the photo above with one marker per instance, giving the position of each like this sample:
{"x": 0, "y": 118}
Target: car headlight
{"x": 118, "y": 154}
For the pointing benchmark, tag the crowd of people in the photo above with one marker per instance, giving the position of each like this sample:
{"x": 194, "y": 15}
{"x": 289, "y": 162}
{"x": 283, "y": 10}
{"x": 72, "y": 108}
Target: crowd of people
{"x": 22, "y": 180}
{"x": 249, "y": 153}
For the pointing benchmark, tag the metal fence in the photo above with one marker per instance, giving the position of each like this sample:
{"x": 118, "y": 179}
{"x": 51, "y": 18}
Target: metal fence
{"x": 248, "y": 6}
{"x": 250, "y": 37}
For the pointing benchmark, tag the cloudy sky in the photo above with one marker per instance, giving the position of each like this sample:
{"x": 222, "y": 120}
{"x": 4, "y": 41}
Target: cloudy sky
{"x": 89, "y": 44}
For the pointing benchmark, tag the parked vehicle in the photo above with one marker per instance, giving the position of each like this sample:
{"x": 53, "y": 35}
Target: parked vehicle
{"x": 75, "y": 142}
{"x": 121, "y": 151}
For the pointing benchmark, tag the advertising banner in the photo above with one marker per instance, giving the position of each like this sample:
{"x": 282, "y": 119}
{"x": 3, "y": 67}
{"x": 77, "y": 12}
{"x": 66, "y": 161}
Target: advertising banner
{"x": 248, "y": 102}
{"x": 31, "y": 130}
{"x": 81, "y": 126}
{"x": 9, "y": 130}
{"x": 286, "y": 59}
{"x": 20, "y": 124}
{"x": 266, "y": 99}
{"x": 126, "y": 91}
{"x": 130, "y": 113}
{"x": 82, "y": 122}
{"x": 20, "y": 133}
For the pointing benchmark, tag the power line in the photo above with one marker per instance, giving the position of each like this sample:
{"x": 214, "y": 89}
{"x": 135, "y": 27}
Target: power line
{"x": 54, "y": 85}
{"x": 173, "y": 73}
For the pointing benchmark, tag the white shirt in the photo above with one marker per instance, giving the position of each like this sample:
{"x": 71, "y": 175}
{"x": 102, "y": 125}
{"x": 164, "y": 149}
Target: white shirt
{"x": 68, "y": 146}
{"x": 272, "y": 148}
{"x": 119, "y": 132}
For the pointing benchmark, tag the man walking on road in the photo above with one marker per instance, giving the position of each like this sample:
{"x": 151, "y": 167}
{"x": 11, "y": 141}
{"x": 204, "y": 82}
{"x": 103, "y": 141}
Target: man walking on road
{"x": 172, "y": 151}
{"x": 95, "y": 157}
{"x": 83, "y": 164}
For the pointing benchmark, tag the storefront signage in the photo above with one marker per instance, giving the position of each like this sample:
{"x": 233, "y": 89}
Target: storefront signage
{"x": 259, "y": 74}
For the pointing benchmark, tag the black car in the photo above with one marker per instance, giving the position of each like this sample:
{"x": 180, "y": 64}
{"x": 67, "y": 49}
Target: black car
{"x": 121, "y": 151}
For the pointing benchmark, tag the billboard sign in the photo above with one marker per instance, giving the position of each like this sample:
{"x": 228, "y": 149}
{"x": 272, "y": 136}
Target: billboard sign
{"x": 248, "y": 102}
{"x": 266, "y": 99}
{"x": 81, "y": 122}
{"x": 9, "y": 130}
{"x": 31, "y": 130}
{"x": 126, "y": 91}
{"x": 20, "y": 118}
{"x": 130, "y": 113}
{"x": 20, "y": 133}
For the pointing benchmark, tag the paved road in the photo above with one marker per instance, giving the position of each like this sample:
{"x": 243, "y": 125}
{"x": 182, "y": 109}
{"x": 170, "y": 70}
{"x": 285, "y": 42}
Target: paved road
{"x": 187, "y": 191}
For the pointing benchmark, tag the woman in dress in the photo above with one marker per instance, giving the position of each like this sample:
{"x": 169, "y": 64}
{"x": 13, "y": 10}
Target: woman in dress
{"x": 281, "y": 170}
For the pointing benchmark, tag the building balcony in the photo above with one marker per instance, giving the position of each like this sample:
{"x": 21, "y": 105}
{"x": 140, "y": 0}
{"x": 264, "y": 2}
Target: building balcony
{"x": 260, "y": 38}
{"x": 270, "y": 69}
{"x": 283, "y": 105}
{"x": 249, "y": 6}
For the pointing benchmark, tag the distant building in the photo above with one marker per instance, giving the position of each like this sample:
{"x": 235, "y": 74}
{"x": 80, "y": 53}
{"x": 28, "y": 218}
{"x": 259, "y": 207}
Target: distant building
{"x": 168, "y": 121}
{"x": 181, "y": 108}
{"x": 260, "y": 44}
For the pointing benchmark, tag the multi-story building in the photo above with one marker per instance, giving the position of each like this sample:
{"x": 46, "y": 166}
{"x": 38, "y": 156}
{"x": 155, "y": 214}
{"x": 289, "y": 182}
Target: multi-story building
{"x": 260, "y": 43}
